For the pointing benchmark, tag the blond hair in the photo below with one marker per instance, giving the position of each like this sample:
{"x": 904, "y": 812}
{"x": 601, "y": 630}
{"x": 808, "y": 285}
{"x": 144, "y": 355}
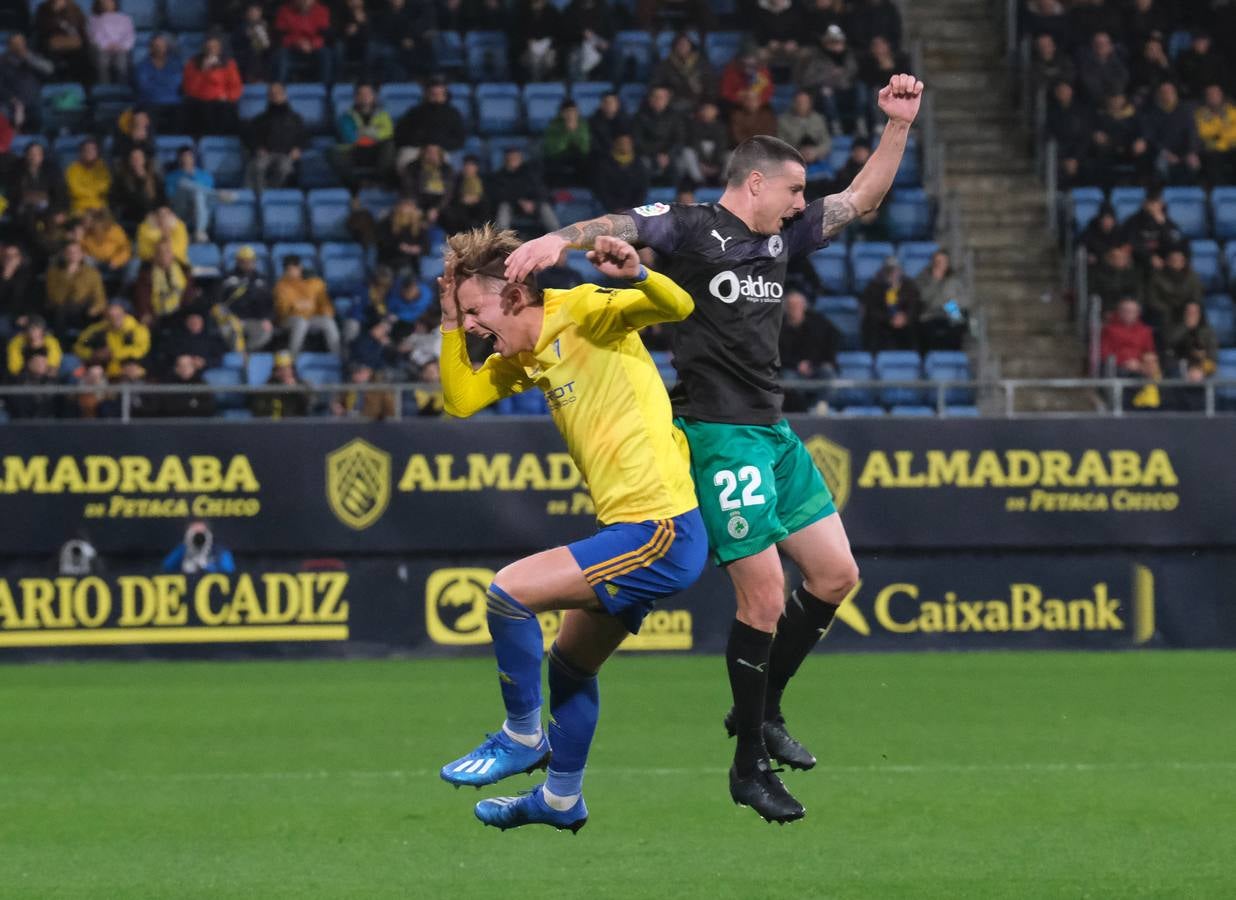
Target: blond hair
{"x": 481, "y": 253}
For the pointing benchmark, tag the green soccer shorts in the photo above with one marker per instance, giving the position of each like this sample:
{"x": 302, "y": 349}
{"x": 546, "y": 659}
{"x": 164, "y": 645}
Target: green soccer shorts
{"x": 756, "y": 485}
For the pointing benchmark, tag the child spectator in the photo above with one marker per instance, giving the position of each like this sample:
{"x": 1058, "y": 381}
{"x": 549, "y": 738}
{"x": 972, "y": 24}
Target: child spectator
{"x": 198, "y": 404}
{"x": 38, "y": 373}
{"x": 32, "y": 339}
{"x": 287, "y": 404}
{"x": 372, "y": 405}
{"x": 746, "y": 73}
{"x": 191, "y": 192}
{"x": 112, "y": 37}
{"x": 468, "y": 206}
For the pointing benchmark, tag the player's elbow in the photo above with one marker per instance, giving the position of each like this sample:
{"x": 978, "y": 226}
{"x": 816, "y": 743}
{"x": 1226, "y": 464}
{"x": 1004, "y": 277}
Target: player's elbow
{"x": 457, "y": 407}
{"x": 683, "y": 306}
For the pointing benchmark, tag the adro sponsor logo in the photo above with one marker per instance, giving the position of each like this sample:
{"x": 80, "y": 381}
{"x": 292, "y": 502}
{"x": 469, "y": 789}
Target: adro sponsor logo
{"x": 905, "y": 608}
{"x": 173, "y": 609}
{"x": 358, "y": 483}
{"x": 728, "y": 287}
{"x": 455, "y": 615}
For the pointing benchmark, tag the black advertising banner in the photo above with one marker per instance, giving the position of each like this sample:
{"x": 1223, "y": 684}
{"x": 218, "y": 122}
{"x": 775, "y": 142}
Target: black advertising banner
{"x": 437, "y": 607}
{"x": 495, "y": 485}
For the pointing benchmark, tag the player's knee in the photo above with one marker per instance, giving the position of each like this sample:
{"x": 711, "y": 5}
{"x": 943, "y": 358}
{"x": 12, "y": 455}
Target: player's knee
{"x": 835, "y": 583}
{"x": 761, "y": 607}
{"x": 508, "y": 588}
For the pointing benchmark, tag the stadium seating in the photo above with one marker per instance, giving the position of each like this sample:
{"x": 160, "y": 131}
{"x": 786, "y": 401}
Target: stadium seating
{"x": 261, "y": 250}
{"x": 910, "y": 215}
{"x": 224, "y": 158}
{"x": 1126, "y": 200}
{"x": 343, "y": 269}
{"x": 950, "y": 365}
{"x": 1186, "y": 206}
{"x": 854, "y": 365}
{"x": 1223, "y": 211}
{"x": 832, "y": 267}
{"x": 485, "y": 53}
{"x": 310, "y": 101}
{"x": 307, "y": 252}
{"x": 845, "y": 314}
{"x": 722, "y": 46}
{"x": 866, "y": 259}
{"x": 396, "y": 98}
{"x": 252, "y": 101}
{"x": 1222, "y": 318}
{"x": 915, "y": 256}
{"x": 541, "y": 102}
{"x": 587, "y": 95}
{"x": 900, "y": 365}
{"x": 328, "y": 214}
{"x": 634, "y": 52}
{"x": 283, "y": 215}
{"x": 205, "y": 258}
{"x": 1204, "y": 255}
{"x": 237, "y": 220}
{"x": 1085, "y": 202}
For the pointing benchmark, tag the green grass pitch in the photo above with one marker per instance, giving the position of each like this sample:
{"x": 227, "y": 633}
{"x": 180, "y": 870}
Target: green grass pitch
{"x": 948, "y": 775}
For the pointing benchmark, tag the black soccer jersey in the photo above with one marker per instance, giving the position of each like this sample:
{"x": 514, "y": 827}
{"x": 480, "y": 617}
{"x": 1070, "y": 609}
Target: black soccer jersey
{"x": 726, "y": 351}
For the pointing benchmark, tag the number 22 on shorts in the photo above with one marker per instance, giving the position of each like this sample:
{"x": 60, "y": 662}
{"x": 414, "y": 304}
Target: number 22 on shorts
{"x": 749, "y": 477}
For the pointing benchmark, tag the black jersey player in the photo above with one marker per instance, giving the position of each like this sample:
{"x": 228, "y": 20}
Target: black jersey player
{"x": 757, "y": 485}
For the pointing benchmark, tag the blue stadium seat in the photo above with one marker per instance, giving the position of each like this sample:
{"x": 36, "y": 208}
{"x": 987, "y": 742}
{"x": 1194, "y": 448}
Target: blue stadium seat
{"x": 320, "y": 368}
{"x": 283, "y": 215}
{"x": 22, "y": 141}
{"x": 183, "y": 15}
{"x": 261, "y": 250}
{"x": 961, "y": 412}
{"x": 307, "y": 252}
{"x": 498, "y": 107}
{"x": 225, "y": 378}
{"x": 577, "y": 261}
{"x": 146, "y": 14}
{"x": 1204, "y": 256}
{"x": 708, "y": 194}
{"x": 1221, "y": 315}
{"x": 664, "y": 41}
{"x": 253, "y": 101}
{"x": 341, "y": 98}
{"x": 910, "y": 172}
{"x": 1223, "y": 209}
{"x": 633, "y": 49}
{"x": 846, "y": 316}
{"x": 632, "y": 96}
{"x": 863, "y": 412}
{"x": 915, "y": 256}
{"x": 431, "y": 268}
{"x": 64, "y": 107}
{"x": 236, "y": 414}
{"x": 576, "y": 206}
{"x": 1126, "y": 200}
{"x": 314, "y": 170}
{"x": 1178, "y": 42}
{"x": 188, "y": 43}
{"x": 866, "y": 259}
{"x": 449, "y": 50}
{"x": 205, "y": 258}
{"x": 909, "y": 215}
{"x": 69, "y": 364}
{"x": 839, "y": 152}
{"x": 950, "y": 365}
{"x": 168, "y": 145}
{"x": 900, "y": 365}
{"x": 328, "y": 214}
{"x": 1084, "y": 203}
{"x": 259, "y": 367}
{"x": 65, "y": 149}
{"x": 912, "y": 411}
{"x": 1186, "y": 206}
{"x": 310, "y": 101}
{"x": 238, "y": 220}
{"x": 486, "y": 55}
{"x": 722, "y": 46}
{"x": 234, "y": 360}
{"x": 663, "y": 193}
{"x": 224, "y": 158}
{"x": 783, "y": 96}
{"x": 587, "y": 95}
{"x": 832, "y": 268}
{"x": 854, "y": 365}
{"x": 398, "y": 97}
{"x": 541, "y": 103}
{"x": 460, "y": 93}
{"x": 343, "y": 269}
{"x": 499, "y": 145}
{"x": 377, "y": 200}
{"x": 108, "y": 101}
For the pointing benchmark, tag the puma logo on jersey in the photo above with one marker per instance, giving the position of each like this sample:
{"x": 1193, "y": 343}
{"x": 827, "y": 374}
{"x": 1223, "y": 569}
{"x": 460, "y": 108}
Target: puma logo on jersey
{"x": 723, "y": 240}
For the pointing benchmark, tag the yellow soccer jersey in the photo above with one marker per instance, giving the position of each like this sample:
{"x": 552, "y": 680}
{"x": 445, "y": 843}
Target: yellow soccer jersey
{"x": 604, "y": 393}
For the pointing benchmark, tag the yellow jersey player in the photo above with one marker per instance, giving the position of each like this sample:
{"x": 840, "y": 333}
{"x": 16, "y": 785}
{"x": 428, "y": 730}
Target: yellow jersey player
{"x": 605, "y": 395}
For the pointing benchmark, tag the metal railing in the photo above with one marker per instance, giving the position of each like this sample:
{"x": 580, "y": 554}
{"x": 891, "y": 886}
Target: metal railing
{"x": 996, "y": 396}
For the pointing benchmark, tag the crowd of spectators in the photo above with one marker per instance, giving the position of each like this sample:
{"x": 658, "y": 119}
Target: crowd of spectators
{"x": 96, "y": 255}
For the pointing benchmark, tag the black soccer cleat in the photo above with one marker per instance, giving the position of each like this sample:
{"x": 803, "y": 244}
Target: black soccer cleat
{"x": 763, "y": 791}
{"x": 780, "y": 743}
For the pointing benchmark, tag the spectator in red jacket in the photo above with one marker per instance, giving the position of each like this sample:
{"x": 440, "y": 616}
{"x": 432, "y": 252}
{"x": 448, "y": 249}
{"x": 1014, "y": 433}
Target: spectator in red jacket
{"x": 1129, "y": 343}
{"x": 746, "y": 74}
{"x": 303, "y": 26}
{"x": 212, "y": 88}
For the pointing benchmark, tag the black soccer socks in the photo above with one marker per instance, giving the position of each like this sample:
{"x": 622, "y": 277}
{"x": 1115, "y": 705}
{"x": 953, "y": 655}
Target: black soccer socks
{"x": 746, "y": 657}
{"x": 801, "y": 626}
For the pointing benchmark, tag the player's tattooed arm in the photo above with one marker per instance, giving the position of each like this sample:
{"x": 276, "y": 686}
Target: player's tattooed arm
{"x": 839, "y": 211}
{"x": 544, "y": 251}
{"x": 582, "y": 235}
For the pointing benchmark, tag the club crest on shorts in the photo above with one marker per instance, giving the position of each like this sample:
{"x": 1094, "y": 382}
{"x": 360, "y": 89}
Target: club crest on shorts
{"x": 775, "y": 245}
{"x": 738, "y": 527}
{"x": 358, "y": 483}
{"x": 833, "y": 461}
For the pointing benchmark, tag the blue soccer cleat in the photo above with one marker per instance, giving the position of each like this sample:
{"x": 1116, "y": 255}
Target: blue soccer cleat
{"x": 530, "y": 808}
{"x": 497, "y": 758}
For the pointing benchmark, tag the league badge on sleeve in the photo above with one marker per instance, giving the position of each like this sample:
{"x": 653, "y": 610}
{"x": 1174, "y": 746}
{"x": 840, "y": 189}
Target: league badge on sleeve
{"x": 775, "y": 245}
{"x": 652, "y": 209}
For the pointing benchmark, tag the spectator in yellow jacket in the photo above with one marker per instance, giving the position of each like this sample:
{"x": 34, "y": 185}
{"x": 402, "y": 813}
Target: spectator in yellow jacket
{"x": 1216, "y": 126}
{"x": 75, "y": 294}
{"x": 106, "y": 243}
{"x": 118, "y": 339}
{"x": 88, "y": 179}
{"x": 34, "y": 338}
{"x": 162, "y": 225}
{"x": 302, "y": 306}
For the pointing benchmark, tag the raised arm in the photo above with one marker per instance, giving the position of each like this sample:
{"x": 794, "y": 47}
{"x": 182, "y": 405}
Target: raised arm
{"x": 544, "y": 251}
{"x": 654, "y": 297}
{"x": 900, "y": 100}
{"x": 466, "y": 390}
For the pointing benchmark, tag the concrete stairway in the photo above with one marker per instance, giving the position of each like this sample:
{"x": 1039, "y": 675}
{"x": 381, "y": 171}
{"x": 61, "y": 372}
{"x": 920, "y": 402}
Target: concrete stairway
{"x": 989, "y": 169}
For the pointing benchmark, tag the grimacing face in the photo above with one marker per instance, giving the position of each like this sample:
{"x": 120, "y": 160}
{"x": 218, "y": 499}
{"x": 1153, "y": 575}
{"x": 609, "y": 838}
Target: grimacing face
{"x": 780, "y": 197}
{"x": 485, "y": 313}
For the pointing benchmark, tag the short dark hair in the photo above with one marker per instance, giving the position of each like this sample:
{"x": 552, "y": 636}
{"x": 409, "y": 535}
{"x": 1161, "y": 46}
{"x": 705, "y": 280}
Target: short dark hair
{"x": 291, "y": 260}
{"x": 757, "y": 154}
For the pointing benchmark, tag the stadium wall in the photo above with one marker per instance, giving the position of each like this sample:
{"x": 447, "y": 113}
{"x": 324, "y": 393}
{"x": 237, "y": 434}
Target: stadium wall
{"x": 381, "y": 538}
